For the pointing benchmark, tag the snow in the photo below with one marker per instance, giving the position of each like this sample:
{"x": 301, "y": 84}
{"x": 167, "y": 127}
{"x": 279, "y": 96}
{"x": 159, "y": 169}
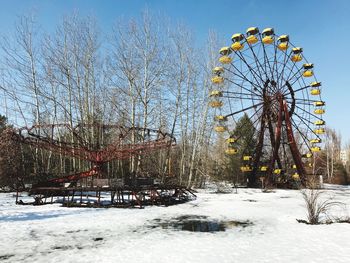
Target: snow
{"x": 52, "y": 233}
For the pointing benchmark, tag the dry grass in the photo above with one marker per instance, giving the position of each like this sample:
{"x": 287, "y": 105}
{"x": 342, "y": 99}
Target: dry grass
{"x": 318, "y": 205}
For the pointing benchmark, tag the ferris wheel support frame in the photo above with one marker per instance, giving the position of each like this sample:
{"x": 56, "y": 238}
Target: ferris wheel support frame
{"x": 293, "y": 146}
{"x": 283, "y": 116}
{"x": 260, "y": 78}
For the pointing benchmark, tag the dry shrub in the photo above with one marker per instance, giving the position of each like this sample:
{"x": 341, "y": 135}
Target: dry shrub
{"x": 318, "y": 204}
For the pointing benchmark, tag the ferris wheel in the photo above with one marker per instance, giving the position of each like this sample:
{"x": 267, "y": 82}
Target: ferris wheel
{"x": 264, "y": 77}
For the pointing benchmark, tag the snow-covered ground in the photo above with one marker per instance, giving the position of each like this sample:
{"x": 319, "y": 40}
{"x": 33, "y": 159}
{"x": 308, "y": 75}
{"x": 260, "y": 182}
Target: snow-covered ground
{"x": 52, "y": 233}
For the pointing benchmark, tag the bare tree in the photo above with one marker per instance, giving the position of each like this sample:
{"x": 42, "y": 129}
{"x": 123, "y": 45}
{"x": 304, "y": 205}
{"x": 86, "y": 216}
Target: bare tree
{"x": 149, "y": 73}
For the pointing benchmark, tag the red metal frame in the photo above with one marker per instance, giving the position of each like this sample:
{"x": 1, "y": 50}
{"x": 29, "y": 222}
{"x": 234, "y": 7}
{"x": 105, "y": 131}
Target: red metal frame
{"x": 293, "y": 146}
{"x": 284, "y": 116}
{"x": 120, "y": 148}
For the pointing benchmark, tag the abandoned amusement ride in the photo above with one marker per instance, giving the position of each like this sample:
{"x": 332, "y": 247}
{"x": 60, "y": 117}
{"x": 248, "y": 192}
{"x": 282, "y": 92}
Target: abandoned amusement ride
{"x": 99, "y": 144}
{"x": 262, "y": 76}
{"x": 266, "y": 78}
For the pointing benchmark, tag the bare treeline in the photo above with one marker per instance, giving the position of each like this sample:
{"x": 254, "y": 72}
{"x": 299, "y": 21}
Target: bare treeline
{"x": 144, "y": 72}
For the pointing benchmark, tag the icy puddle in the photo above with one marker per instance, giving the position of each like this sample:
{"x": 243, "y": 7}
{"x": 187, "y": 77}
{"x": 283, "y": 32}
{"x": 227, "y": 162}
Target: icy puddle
{"x": 198, "y": 224}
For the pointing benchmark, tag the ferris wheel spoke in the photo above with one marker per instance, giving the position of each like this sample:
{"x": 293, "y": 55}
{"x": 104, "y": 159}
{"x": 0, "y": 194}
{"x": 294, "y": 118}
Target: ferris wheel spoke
{"x": 253, "y": 123}
{"x": 306, "y": 122}
{"x": 305, "y": 103}
{"x": 305, "y": 96}
{"x": 307, "y": 93}
{"x": 291, "y": 70}
{"x": 242, "y": 98}
{"x": 239, "y": 95}
{"x": 309, "y": 128}
{"x": 236, "y": 92}
{"x": 254, "y": 73}
{"x": 257, "y": 62}
{"x": 297, "y": 90}
{"x": 266, "y": 59}
{"x": 301, "y": 135}
{"x": 289, "y": 78}
{"x": 297, "y": 79}
{"x": 285, "y": 62}
{"x": 281, "y": 81}
{"x": 257, "y": 118}
{"x": 275, "y": 63}
{"x": 242, "y": 76}
{"x": 244, "y": 88}
{"x": 313, "y": 115}
{"x": 245, "y": 109}
{"x": 307, "y": 100}
{"x": 284, "y": 85}
{"x": 301, "y": 101}
{"x": 230, "y": 106}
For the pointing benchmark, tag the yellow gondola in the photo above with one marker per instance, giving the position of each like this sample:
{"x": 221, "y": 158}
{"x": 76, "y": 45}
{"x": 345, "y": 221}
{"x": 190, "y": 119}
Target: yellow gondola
{"x": 296, "y": 57}
{"x": 308, "y": 70}
{"x": 215, "y": 93}
{"x": 218, "y": 70}
{"x": 315, "y": 84}
{"x": 237, "y": 44}
{"x": 319, "y": 131}
{"x": 317, "y": 140}
{"x": 263, "y": 168}
{"x": 267, "y": 36}
{"x": 220, "y": 128}
{"x": 247, "y": 158}
{"x": 295, "y": 176}
{"x": 315, "y": 92}
{"x": 277, "y": 171}
{"x": 251, "y": 35}
{"x": 294, "y": 166}
{"x": 310, "y": 165}
{"x": 230, "y": 140}
{"x": 319, "y": 103}
{"x": 307, "y": 155}
{"x": 308, "y": 73}
{"x": 225, "y": 59}
{"x": 315, "y": 149}
{"x": 220, "y": 118}
{"x": 319, "y": 122}
{"x": 282, "y": 42}
{"x": 216, "y": 104}
{"x": 231, "y": 151}
{"x": 217, "y": 80}
{"x": 319, "y": 111}
{"x": 224, "y": 51}
{"x": 246, "y": 168}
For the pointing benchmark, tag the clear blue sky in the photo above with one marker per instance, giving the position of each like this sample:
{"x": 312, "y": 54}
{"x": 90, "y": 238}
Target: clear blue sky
{"x": 321, "y": 27}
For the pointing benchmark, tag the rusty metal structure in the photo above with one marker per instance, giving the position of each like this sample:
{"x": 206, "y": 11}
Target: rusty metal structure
{"x": 124, "y": 196}
{"x": 263, "y": 77}
{"x": 99, "y": 144}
